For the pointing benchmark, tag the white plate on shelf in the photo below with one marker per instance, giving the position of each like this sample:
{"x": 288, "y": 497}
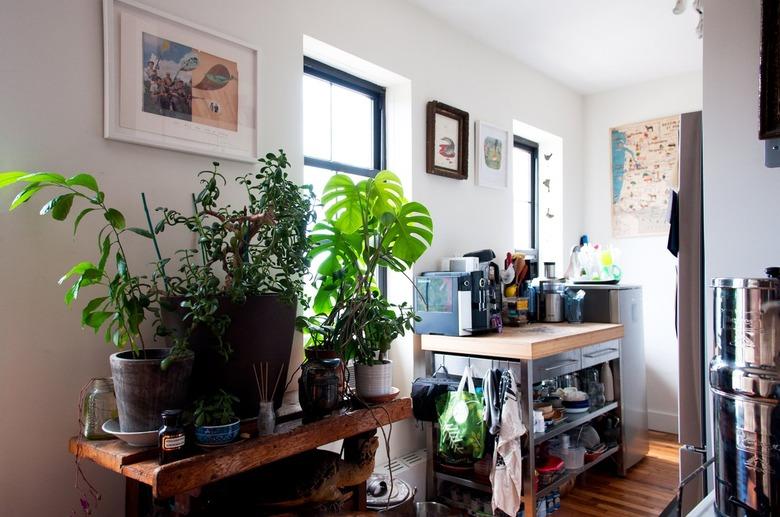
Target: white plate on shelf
{"x": 577, "y": 409}
{"x": 140, "y": 439}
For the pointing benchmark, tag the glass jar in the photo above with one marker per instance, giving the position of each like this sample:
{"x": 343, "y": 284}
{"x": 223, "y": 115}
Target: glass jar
{"x": 99, "y": 407}
{"x": 596, "y": 395}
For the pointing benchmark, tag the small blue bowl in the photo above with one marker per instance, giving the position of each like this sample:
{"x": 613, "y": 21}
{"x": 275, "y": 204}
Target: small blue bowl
{"x": 217, "y": 434}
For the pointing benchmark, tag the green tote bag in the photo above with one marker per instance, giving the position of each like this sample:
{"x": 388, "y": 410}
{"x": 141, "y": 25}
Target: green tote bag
{"x": 461, "y": 423}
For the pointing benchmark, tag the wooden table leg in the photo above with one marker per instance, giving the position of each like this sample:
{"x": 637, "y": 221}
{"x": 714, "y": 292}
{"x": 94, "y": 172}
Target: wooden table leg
{"x": 132, "y": 496}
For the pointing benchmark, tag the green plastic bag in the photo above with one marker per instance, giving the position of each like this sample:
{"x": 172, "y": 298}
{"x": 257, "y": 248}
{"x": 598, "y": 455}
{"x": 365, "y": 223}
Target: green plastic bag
{"x": 461, "y": 423}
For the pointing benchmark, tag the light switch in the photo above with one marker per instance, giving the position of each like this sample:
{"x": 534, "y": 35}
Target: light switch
{"x": 772, "y": 152}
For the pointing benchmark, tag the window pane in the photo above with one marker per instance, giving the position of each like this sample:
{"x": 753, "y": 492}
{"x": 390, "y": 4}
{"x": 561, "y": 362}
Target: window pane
{"x": 522, "y": 171}
{"x": 316, "y": 118}
{"x": 522, "y": 225}
{"x": 352, "y": 127}
{"x": 317, "y": 178}
{"x": 521, "y": 165}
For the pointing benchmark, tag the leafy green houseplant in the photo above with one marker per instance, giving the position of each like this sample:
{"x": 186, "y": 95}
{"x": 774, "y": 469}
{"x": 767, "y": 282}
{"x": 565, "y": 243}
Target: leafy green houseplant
{"x": 126, "y": 300}
{"x": 233, "y": 299}
{"x": 241, "y": 282}
{"x": 215, "y": 418}
{"x": 366, "y": 225}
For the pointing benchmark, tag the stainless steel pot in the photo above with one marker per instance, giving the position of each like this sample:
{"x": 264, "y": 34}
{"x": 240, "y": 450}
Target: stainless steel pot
{"x": 745, "y": 382}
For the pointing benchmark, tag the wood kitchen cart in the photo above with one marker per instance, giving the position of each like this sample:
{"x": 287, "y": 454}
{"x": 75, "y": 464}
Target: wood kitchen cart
{"x": 534, "y": 352}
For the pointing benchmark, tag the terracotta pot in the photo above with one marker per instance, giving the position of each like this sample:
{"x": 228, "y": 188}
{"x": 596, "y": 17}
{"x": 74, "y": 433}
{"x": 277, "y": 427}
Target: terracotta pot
{"x": 143, "y": 390}
{"x": 261, "y": 330}
{"x": 374, "y": 380}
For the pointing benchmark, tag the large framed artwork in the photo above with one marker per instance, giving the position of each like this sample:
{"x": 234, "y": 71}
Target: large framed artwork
{"x": 492, "y": 152}
{"x": 447, "y": 141}
{"x": 172, "y": 84}
{"x": 645, "y": 168}
{"x": 769, "y": 84}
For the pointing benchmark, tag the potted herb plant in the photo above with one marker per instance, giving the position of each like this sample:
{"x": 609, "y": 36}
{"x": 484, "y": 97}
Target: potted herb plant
{"x": 215, "y": 419}
{"x": 234, "y": 298}
{"x": 147, "y": 380}
{"x": 366, "y": 225}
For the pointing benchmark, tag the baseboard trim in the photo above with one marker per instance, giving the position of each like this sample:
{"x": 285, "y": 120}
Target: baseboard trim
{"x": 662, "y": 421}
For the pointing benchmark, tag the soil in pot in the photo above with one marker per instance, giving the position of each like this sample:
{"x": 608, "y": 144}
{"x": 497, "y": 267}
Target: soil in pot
{"x": 374, "y": 380}
{"x": 261, "y": 330}
{"x": 144, "y": 390}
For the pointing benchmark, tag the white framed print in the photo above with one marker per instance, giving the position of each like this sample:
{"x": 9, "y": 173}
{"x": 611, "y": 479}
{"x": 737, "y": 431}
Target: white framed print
{"x": 173, "y": 84}
{"x": 492, "y": 154}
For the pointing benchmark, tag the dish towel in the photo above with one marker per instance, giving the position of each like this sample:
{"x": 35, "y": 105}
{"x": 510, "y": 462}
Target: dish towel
{"x": 506, "y": 477}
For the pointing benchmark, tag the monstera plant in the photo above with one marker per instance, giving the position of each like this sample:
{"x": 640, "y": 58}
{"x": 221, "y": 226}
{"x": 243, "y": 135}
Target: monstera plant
{"x": 367, "y": 225}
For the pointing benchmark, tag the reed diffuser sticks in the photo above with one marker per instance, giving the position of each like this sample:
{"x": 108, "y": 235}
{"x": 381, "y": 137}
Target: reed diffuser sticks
{"x": 262, "y": 379}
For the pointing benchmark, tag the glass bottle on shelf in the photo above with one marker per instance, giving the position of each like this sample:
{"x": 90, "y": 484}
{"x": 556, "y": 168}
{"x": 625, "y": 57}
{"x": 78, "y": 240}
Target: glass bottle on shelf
{"x": 99, "y": 406}
{"x": 596, "y": 395}
{"x": 593, "y": 377}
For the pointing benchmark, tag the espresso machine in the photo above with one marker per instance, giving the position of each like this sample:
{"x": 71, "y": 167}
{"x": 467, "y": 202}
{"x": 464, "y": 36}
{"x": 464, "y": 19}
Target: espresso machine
{"x": 745, "y": 383}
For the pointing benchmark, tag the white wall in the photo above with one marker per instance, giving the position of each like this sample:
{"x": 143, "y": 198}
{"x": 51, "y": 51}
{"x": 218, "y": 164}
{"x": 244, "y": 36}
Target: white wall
{"x": 52, "y": 120}
{"x": 740, "y": 194}
{"x": 645, "y": 260}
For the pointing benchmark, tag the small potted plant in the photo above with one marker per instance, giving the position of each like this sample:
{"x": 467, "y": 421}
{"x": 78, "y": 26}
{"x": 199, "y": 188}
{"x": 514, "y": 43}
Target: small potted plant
{"x": 373, "y": 370}
{"x": 215, "y": 419}
{"x": 366, "y": 225}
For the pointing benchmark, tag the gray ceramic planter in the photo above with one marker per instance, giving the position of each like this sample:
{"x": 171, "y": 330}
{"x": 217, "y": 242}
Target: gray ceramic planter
{"x": 143, "y": 390}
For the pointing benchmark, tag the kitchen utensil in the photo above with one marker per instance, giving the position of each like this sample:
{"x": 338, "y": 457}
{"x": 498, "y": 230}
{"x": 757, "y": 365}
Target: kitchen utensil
{"x": 588, "y": 437}
{"x": 573, "y": 457}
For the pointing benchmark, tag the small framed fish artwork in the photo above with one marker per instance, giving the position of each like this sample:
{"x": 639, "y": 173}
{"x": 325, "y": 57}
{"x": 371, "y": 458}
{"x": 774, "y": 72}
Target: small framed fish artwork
{"x": 492, "y": 155}
{"x": 172, "y": 84}
{"x": 447, "y": 141}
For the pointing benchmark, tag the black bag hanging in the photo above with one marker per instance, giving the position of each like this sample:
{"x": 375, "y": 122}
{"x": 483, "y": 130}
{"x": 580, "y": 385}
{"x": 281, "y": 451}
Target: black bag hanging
{"x": 426, "y": 390}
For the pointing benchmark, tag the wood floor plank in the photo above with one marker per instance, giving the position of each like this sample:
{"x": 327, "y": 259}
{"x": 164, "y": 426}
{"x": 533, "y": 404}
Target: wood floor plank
{"x": 649, "y": 486}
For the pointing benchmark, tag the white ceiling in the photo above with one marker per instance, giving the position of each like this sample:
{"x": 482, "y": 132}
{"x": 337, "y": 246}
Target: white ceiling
{"x": 588, "y": 45}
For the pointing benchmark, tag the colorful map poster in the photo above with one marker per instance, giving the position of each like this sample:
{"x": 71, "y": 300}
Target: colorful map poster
{"x": 645, "y": 167}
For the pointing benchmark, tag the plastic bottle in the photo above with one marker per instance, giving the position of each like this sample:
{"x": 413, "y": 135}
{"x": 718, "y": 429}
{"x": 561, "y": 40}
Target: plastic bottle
{"x": 609, "y": 383}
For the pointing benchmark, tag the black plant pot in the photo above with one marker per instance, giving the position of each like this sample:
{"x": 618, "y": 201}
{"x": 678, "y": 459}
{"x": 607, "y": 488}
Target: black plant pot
{"x": 261, "y": 330}
{"x": 144, "y": 390}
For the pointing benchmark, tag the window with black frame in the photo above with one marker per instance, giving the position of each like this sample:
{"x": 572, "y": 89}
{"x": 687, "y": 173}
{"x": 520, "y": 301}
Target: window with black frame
{"x": 343, "y": 128}
{"x": 525, "y": 169}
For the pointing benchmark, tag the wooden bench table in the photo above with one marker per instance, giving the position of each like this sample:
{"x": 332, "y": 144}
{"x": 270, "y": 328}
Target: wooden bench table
{"x": 140, "y": 466}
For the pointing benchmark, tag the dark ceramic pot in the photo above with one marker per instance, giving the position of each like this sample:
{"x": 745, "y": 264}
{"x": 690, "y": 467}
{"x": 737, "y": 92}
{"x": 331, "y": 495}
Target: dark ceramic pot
{"x": 261, "y": 330}
{"x": 144, "y": 390}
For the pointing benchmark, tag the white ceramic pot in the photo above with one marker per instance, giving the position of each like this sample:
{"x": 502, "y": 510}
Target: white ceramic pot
{"x": 374, "y": 380}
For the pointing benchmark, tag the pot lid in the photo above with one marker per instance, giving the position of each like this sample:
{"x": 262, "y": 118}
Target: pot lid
{"x": 377, "y": 488}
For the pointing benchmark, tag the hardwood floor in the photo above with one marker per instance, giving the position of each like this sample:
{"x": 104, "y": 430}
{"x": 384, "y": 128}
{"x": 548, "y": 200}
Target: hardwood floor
{"x": 650, "y": 485}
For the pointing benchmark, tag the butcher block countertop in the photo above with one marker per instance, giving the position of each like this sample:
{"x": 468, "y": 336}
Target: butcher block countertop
{"x": 532, "y": 341}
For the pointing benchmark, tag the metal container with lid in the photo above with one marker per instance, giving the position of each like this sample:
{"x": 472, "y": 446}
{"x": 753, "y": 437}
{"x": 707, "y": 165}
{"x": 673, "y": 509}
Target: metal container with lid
{"x": 381, "y": 498}
{"x": 551, "y": 308}
{"x": 745, "y": 381}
